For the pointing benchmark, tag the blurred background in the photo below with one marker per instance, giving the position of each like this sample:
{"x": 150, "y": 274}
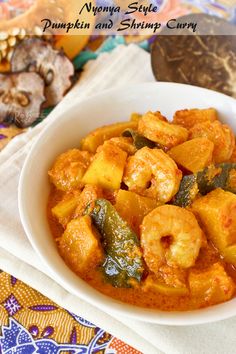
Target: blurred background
{"x": 15, "y": 16}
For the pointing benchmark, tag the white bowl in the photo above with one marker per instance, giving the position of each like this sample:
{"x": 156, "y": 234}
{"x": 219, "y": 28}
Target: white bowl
{"x": 66, "y": 132}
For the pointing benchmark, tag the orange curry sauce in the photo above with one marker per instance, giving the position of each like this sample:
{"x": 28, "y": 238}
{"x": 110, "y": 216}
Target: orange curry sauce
{"x": 138, "y": 296}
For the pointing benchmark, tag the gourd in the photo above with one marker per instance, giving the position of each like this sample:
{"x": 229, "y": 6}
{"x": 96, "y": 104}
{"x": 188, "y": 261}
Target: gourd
{"x": 215, "y": 176}
{"x": 193, "y": 154}
{"x": 132, "y": 207}
{"x": 64, "y": 209}
{"x": 153, "y": 284}
{"x": 139, "y": 141}
{"x": 71, "y": 45}
{"x": 80, "y": 245}
{"x": 217, "y": 213}
{"x": 135, "y": 117}
{"x": 28, "y": 24}
{"x": 88, "y": 195}
{"x": 106, "y": 169}
{"x": 229, "y": 254}
{"x": 123, "y": 262}
{"x": 211, "y": 286}
{"x": 98, "y": 136}
{"x": 187, "y": 118}
{"x": 188, "y": 190}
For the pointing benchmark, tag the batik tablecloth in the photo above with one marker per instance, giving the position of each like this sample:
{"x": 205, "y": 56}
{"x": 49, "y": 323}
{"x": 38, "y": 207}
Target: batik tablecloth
{"x": 30, "y": 322}
{"x": 98, "y": 75}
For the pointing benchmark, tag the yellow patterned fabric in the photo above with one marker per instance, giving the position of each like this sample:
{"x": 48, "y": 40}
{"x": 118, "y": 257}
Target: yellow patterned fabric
{"x": 46, "y": 325}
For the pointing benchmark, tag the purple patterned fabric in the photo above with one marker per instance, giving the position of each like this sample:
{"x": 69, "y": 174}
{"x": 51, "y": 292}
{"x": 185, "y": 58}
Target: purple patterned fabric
{"x": 12, "y": 305}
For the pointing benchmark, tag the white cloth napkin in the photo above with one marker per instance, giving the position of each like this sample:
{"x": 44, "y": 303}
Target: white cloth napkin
{"x": 125, "y": 64}
{"x": 16, "y": 254}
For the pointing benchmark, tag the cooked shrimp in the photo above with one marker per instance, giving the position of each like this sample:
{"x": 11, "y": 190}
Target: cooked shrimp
{"x": 156, "y": 128}
{"x": 152, "y": 173}
{"x": 123, "y": 143}
{"x": 69, "y": 168}
{"x": 170, "y": 235}
{"x": 220, "y": 134}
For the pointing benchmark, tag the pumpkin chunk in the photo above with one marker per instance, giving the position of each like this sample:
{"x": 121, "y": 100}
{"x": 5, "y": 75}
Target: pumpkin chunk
{"x": 98, "y": 136}
{"x": 211, "y": 286}
{"x": 229, "y": 254}
{"x": 106, "y": 169}
{"x": 217, "y": 213}
{"x": 194, "y": 154}
{"x": 80, "y": 245}
{"x": 135, "y": 117}
{"x": 64, "y": 209}
{"x": 132, "y": 207}
{"x": 88, "y": 195}
{"x": 152, "y": 284}
{"x": 187, "y": 118}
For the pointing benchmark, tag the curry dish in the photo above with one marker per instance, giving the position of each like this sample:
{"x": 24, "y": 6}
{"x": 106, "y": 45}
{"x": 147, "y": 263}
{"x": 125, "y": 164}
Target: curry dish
{"x": 145, "y": 210}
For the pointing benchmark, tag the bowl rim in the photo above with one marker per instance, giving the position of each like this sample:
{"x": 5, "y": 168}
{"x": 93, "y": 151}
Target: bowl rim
{"x": 107, "y": 304}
